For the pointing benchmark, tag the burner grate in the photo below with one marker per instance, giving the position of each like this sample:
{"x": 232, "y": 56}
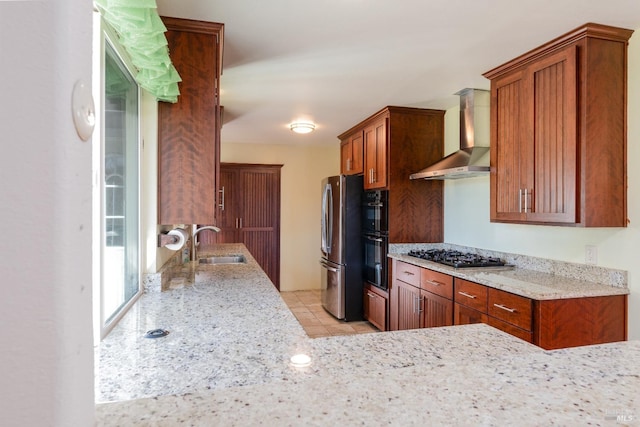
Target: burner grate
{"x": 457, "y": 259}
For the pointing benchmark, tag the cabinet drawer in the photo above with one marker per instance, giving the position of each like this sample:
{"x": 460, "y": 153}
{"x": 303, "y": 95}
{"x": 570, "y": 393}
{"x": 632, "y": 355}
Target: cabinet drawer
{"x": 408, "y": 273}
{"x": 510, "y": 329}
{"x": 437, "y": 283}
{"x": 463, "y": 315}
{"x": 471, "y": 294}
{"x": 510, "y": 308}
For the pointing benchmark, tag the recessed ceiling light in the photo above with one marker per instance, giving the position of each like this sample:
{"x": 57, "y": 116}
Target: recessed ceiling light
{"x": 302, "y": 127}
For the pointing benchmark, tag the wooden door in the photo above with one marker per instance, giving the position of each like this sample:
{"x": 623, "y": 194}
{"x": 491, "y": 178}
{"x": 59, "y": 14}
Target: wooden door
{"x": 408, "y": 306}
{"x": 351, "y": 154}
{"x": 259, "y": 222}
{"x": 554, "y": 120}
{"x": 511, "y": 150}
{"x": 436, "y": 310}
{"x": 463, "y": 315}
{"x": 187, "y": 129}
{"x": 375, "y": 151}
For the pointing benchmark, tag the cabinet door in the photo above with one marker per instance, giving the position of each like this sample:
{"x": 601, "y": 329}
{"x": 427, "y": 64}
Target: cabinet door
{"x": 259, "y": 224}
{"x": 228, "y": 213}
{"x": 552, "y": 194}
{"x": 187, "y": 130}
{"x": 375, "y": 309}
{"x": 511, "y": 151}
{"x": 375, "y": 152}
{"x": 463, "y": 315}
{"x": 436, "y": 310}
{"x": 408, "y": 306}
{"x": 351, "y": 154}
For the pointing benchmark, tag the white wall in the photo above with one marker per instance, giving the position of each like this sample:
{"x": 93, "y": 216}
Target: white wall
{"x": 46, "y": 361}
{"x": 467, "y": 212}
{"x": 304, "y": 167}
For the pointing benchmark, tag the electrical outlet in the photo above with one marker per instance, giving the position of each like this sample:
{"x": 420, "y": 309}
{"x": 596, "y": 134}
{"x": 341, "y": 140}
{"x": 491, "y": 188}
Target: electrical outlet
{"x": 591, "y": 254}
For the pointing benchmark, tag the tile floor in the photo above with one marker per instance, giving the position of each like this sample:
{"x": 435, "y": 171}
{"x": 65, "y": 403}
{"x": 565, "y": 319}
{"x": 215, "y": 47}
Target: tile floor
{"x": 307, "y": 308}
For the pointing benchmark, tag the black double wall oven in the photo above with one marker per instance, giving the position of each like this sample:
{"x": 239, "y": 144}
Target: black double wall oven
{"x": 375, "y": 237}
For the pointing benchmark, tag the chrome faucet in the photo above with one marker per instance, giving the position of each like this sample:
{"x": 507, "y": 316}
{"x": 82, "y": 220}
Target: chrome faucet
{"x": 194, "y": 239}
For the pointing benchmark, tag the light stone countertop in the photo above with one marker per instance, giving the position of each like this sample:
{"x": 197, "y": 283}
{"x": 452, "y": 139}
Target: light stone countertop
{"x": 226, "y": 362}
{"x": 520, "y": 281}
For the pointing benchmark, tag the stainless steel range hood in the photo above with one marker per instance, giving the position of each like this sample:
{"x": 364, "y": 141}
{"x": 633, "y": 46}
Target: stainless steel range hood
{"x": 472, "y": 159}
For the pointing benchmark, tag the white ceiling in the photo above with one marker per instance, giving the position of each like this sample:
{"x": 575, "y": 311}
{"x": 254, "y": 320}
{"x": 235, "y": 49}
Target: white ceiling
{"x": 336, "y": 62}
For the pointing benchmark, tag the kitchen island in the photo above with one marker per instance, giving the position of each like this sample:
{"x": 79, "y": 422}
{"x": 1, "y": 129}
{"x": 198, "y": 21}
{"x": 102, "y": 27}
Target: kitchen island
{"x": 226, "y": 361}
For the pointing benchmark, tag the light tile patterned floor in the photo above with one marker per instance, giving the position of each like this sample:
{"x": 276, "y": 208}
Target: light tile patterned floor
{"x": 307, "y": 307}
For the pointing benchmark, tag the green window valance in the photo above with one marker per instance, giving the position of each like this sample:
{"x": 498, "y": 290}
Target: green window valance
{"x": 141, "y": 32}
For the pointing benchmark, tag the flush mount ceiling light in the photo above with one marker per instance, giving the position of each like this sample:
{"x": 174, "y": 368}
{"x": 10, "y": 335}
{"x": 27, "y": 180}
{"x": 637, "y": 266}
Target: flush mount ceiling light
{"x": 302, "y": 127}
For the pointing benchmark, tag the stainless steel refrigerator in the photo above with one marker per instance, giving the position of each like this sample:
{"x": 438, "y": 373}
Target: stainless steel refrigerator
{"x": 341, "y": 245}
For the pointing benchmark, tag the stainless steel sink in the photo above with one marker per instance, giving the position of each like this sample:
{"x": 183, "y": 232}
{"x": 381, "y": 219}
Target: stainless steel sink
{"x": 224, "y": 259}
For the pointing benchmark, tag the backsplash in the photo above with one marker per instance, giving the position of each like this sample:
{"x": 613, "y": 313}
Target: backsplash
{"x": 588, "y": 273}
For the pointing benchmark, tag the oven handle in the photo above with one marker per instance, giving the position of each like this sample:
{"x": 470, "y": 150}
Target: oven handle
{"x": 375, "y": 205}
{"x": 374, "y": 239}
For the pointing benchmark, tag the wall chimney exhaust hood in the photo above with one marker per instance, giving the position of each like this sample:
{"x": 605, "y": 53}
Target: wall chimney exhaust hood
{"x": 472, "y": 159}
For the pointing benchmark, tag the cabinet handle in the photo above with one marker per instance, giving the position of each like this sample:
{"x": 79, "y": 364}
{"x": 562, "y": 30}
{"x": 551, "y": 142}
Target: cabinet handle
{"x": 510, "y": 310}
{"x": 240, "y": 222}
{"x": 237, "y": 222}
{"x": 348, "y": 164}
{"x": 409, "y": 273}
{"x": 221, "y": 205}
{"x": 370, "y": 295}
{"x": 464, "y": 294}
{"x": 434, "y": 283}
{"x": 520, "y": 200}
{"x": 419, "y": 304}
{"x": 525, "y": 200}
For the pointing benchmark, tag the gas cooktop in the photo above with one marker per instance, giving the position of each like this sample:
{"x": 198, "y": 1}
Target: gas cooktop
{"x": 457, "y": 259}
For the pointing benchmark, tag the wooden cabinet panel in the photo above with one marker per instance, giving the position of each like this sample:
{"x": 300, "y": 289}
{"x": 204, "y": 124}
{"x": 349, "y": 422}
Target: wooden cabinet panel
{"x": 351, "y": 154}
{"x": 580, "y": 321}
{"x": 188, "y": 132}
{"x": 463, "y": 315}
{"x": 408, "y": 306}
{"x": 375, "y": 307}
{"x": 558, "y": 124}
{"x": 436, "y": 282}
{"x": 510, "y": 308}
{"x": 436, "y": 310}
{"x": 408, "y": 273}
{"x": 250, "y": 213}
{"x": 470, "y": 294}
{"x": 399, "y": 141}
{"x": 375, "y": 149}
{"x": 525, "y": 335}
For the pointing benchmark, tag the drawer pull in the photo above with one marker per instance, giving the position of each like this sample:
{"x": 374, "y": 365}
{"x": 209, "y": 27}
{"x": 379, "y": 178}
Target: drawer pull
{"x": 464, "y": 294}
{"x": 371, "y": 295}
{"x": 408, "y": 273}
{"x": 510, "y": 310}
{"x": 434, "y": 283}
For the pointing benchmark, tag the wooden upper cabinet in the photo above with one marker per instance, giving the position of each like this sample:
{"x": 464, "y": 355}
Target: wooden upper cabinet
{"x": 399, "y": 141}
{"x": 351, "y": 154}
{"x": 189, "y": 130}
{"x": 375, "y": 152}
{"x": 558, "y": 132}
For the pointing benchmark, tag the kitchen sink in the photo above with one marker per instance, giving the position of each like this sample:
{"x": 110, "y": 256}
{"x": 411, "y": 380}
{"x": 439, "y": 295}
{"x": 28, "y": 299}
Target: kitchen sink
{"x": 224, "y": 259}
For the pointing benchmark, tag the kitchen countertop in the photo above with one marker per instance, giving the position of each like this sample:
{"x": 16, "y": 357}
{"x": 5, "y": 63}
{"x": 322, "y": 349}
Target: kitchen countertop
{"x": 528, "y": 283}
{"x": 226, "y": 362}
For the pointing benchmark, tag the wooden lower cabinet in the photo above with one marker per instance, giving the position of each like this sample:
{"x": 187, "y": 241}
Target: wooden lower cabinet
{"x": 375, "y": 306}
{"x": 442, "y": 300}
{"x": 412, "y": 305}
{"x": 550, "y": 324}
{"x": 436, "y": 310}
{"x": 463, "y": 315}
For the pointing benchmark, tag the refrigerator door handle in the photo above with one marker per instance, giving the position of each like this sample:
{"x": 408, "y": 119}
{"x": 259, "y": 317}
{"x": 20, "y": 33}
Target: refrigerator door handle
{"x": 327, "y": 219}
{"x": 328, "y": 267}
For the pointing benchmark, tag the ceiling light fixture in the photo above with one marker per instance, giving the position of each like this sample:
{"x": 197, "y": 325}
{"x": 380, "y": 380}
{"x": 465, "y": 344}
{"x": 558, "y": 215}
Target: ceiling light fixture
{"x": 302, "y": 127}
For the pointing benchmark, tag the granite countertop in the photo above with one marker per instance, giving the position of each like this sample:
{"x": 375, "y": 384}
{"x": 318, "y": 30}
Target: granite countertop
{"x": 226, "y": 362}
{"x": 520, "y": 281}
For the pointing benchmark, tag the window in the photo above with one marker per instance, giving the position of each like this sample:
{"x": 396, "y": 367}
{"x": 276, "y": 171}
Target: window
{"x": 116, "y": 190}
